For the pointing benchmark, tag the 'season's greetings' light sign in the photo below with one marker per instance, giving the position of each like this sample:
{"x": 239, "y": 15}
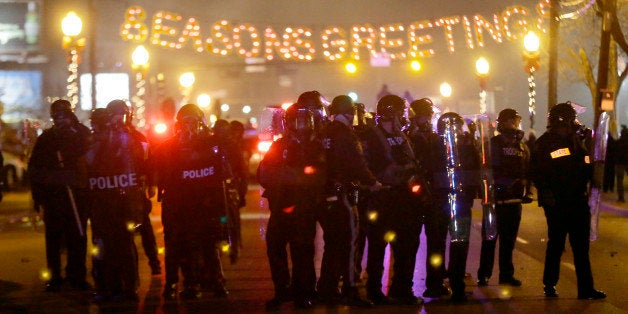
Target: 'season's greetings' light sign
{"x": 295, "y": 43}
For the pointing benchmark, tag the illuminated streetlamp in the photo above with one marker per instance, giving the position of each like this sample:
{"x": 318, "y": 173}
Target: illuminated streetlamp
{"x": 203, "y": 101}
{"x": 186, "y": 80}
{"x": 531, "y": 57}
{"x": 445, "y": 91}
{"x": 140, "y": 59}
{"x": 481, "y": 71}
{"x": 71, "y": 25}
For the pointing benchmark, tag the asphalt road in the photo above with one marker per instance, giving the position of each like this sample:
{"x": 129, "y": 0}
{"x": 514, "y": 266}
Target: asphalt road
{"x": 22, "y": 261}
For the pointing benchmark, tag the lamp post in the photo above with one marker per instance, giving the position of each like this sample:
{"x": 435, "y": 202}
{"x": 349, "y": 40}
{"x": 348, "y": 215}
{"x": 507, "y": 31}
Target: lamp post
{"x": 481, "y": 71}
{"x": 71, "y": 25}
{"x": 531, "y": 57}
{"x": 186, "y": 81}
{"x": 140, "y": 64}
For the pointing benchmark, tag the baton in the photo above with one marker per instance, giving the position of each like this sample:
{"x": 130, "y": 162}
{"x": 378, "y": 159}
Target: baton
{"x": 72, "y": 201}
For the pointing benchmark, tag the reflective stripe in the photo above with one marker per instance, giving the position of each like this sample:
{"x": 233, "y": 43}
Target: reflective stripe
{"x": 561, "y": 152}
{"x": 587, "y": 160}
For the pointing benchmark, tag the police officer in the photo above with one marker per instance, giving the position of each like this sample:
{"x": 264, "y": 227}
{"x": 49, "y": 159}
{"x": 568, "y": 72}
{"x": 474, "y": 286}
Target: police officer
{"x": 58, "y": 179}
{"x": 424, "y": 140}
{"x": 117, "y": 175}
{"x": 561, "y": 169}
{"x": 149, "y": 243}
{"x": 228, "y": 146}
{"x": 346, "y": 168}
{"x": 293, "y": 175}
{"x": 394, "y": 216}
{"x": 510, "y": 160}
{"x": 190, "y": 177}
{"x": 458, "y": 146}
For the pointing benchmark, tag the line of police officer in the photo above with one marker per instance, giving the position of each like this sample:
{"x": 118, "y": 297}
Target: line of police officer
{"x": 413, "y": 177}
{"x": 108, "y": 177}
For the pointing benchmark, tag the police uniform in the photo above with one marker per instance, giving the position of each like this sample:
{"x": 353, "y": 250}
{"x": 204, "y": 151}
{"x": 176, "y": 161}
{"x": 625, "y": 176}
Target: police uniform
{"x": 424, "y": 141}
{"x": 117, "y": 173}
{"x": 467, "y": 173}
{"x": 58, "y": 179}
{"x": 190, "y": 186}
{"x": 338, "y": 218}
{"x": 510, "y": 161}
{"x": 292, "y": 174}
{"x": 395, "y": 218}
{"x": 561, "y": 169}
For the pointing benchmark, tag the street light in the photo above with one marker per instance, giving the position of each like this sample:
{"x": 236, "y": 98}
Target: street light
{"x": 531, "y": 57}
{"x": 481, "y": 71}
{"x": 140, "y": 59}
{"x": 71, "y": 25}
{"x": 186, "y": 80}
{"x": 445, "y": 91}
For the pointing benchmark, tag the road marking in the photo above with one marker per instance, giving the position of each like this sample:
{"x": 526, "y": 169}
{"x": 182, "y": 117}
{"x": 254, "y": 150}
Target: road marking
{"x": 569, "y": 265}
{"x": 522, "y": 240}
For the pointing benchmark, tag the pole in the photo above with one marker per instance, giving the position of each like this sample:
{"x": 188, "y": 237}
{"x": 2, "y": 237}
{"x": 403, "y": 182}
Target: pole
{"x": 608, "y": 8}
{"x": 553, "y": 54}
{"x": 72, "y": 200}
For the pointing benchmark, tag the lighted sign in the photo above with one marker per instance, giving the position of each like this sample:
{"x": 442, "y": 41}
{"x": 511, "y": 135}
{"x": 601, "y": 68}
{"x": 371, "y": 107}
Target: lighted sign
{"x": 397, "y": 41}
{"x": 19, "y": 25}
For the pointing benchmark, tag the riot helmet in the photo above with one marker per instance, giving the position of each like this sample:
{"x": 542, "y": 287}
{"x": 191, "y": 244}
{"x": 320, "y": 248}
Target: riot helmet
{"x": 61, "y": 112}
{"x": 221, "y": 128}
{"x": 316, "y": 103}
{"x": 190, "y": 121}
{"x": 390, "y": 107}
{"x": 561, "y": 115}
{"x": 299, "y": 121}
{"x": 422, "y": 107}
{"x": 120, "y": 113}
{"x": 450, "y": 120}
{"x": 342, "y": 104}
{"x": 99, "y": 118}
{"x": 504, "y": 117}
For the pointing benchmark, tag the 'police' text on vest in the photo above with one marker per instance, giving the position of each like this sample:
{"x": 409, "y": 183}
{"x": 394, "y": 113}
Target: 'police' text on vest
{"x": 198, "y": 173}
{"x": 112, "y": 182}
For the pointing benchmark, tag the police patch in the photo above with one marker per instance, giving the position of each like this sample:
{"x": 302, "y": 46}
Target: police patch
{"x": 561, "y": 152}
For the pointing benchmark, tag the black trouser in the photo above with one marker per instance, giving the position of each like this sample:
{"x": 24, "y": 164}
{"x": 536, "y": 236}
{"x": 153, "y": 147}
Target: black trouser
{"x": 508, "y": 220}
{"x": 115, "y": 267}
{"x": 360, "y": 242}
{"x": 573, "y": 220}
{"x": 436, "y": 231}
{"x": 396, "y": 211}
{"x": 297, "y": 228}
{"x": 148, "y": 236}
{"x": 339, "y": 221}
{"x": 184, "y": 249}
{"x": 62, "y": 232}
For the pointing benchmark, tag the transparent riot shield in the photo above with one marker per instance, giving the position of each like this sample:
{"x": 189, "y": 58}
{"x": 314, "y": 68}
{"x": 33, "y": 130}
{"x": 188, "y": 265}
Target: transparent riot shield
{"x": 599, "y": 157}
{"x": 483, "y": 132}
{"x": 453, "y": 168}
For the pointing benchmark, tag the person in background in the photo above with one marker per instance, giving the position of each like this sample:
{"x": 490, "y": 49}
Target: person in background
{"x": 561, "y": 170}
{"x": 58, "y": 176}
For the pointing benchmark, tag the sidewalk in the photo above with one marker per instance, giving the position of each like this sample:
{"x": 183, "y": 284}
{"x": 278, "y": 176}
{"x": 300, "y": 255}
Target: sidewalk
{"x": 610, "y": 204}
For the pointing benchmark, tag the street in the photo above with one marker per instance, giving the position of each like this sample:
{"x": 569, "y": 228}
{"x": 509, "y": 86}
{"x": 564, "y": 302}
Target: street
{"x": 22, "y": 261}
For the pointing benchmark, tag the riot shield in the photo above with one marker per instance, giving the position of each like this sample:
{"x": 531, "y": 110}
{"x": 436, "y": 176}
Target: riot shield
{"x": 451, "y": 134}
{"x": 483, "y": 139}
{"x": 599, "y": 157}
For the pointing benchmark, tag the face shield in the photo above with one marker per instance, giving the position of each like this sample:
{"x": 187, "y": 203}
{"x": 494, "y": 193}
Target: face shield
{"x": 300, "y": 122}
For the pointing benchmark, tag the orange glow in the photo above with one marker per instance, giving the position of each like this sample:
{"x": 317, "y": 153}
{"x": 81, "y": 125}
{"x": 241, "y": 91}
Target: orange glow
{"x": 309, "y": 170}
{"x": 160, "y": 128}
{"x": 289, "y": 210}
{"x": 416, "y": 188}
{"x": 264, "y": 146}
